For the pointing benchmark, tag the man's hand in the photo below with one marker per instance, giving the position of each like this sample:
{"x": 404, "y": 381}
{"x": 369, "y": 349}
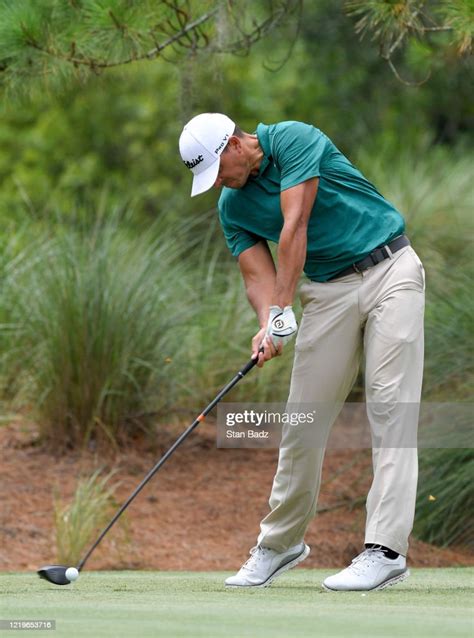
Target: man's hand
{"x": 281, "y": 327}
{"x": 263, "y": 348}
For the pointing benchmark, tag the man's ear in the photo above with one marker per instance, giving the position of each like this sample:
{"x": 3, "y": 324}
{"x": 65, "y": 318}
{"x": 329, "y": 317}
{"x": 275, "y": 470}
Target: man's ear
{"x": 234, "y": 143}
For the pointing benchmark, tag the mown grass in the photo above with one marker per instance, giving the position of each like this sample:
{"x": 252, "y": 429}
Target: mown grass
{"x": 434, "y": 603}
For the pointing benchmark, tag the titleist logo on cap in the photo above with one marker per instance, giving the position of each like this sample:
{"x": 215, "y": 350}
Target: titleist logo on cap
{"x": 194, "y": 162}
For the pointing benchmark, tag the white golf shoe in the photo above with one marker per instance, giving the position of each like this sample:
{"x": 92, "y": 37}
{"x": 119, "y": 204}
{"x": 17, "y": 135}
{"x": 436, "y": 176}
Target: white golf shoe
{"x": 265, "y": 564}
{"x": 370, "y": 570}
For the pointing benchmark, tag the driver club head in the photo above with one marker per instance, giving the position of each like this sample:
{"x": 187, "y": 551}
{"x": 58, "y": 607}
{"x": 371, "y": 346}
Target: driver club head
{"x": 55, "y": 574}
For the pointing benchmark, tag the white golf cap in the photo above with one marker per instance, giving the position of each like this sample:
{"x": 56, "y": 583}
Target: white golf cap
{"x": 201, "y": 143}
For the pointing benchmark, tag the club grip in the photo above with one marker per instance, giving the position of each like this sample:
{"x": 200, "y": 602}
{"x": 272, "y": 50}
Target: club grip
{"x": 248, "y": 366}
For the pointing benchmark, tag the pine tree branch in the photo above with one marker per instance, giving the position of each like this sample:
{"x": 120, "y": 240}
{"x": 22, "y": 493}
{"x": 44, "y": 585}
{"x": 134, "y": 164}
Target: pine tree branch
{"x": 185, "y": 31}
{"x": 427, "y": 29}
{"x": 392, "y": 49}
{"x": 111, "y": 36}
{"x": 95, "y": 65}
{"x": 289, "y": 53}
{"x": 392, "y": 24}
{"x": 402, "y": 80}
{"x": 120, "y": 27}
{"x": 260, "y": 30}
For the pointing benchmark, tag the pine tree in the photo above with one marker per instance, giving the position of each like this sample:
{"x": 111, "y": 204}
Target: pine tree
{"x": 446, "y": 25}
{"x": 49, "y": 41}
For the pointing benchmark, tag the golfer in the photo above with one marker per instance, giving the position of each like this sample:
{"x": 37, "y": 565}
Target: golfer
{"x": 364, "y": 296}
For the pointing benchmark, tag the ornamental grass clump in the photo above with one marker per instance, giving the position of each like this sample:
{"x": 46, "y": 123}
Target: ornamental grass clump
{"x": 445, "y": 501}
{"x": 77, "y": 522}
{"x": 93, "y": 314}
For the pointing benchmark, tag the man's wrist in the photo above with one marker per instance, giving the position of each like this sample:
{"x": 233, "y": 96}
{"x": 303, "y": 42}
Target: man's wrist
{"x": 282, "y": 299}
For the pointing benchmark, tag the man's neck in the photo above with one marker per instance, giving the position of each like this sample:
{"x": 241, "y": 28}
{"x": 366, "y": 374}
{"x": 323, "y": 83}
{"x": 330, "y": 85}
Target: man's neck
{"x": 254, "y": 153}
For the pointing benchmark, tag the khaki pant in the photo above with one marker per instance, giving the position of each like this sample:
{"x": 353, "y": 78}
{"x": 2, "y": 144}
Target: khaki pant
{"x": 378, "y": 313}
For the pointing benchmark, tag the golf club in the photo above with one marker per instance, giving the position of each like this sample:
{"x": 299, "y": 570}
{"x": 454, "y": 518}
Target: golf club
{"x": 56, "y": 574}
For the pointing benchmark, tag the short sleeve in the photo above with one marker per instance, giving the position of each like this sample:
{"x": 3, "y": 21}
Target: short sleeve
{"x": 237, "y": 239}
{"x": 297, "y": 150}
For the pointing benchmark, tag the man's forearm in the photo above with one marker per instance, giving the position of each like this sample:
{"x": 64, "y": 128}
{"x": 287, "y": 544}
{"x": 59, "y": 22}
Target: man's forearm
{"x": 259, "y": 274}
{"x": 291, "y": 259}
{"x": 296, "y": 204}
{"x": 260, "y": 298}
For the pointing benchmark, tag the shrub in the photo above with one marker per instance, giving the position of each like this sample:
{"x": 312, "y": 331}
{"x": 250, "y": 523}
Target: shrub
{"x": 89, "y": 511}
{"x": 94, "y": 315}
{"x": 449, "y": 361}
{"x": 446, "y": 497}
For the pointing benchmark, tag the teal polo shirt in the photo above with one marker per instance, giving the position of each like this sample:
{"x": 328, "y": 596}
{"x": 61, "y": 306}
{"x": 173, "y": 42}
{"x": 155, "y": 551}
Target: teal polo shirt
{"x": 349, "y": 217}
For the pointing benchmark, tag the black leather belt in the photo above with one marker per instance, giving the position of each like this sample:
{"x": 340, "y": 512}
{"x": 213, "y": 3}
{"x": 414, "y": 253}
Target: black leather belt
{"x": 375, "y": 257}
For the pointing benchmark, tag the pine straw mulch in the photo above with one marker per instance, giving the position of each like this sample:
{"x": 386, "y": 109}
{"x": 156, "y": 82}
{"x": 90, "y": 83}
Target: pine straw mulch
{"x": 200, "y": 512}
